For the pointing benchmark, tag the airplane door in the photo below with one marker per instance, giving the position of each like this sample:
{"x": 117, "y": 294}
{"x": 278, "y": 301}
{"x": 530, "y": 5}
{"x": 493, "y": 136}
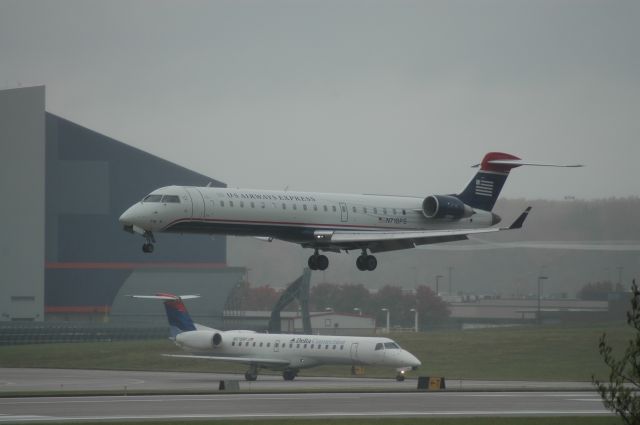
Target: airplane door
{"x": 354, "y": 351}
{"x": 197, "y": 202}
{"x": 344, "y": 212}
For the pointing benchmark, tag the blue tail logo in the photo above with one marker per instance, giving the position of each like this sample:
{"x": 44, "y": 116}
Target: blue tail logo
{"x": 177, "y": 314}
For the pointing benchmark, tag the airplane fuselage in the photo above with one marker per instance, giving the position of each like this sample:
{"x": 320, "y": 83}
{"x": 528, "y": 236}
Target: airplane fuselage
{"x": 290, "y": 216}
{"x": 296, "y": 351}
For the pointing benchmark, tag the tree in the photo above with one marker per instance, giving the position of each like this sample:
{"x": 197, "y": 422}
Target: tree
{"x": 620, "y": 394}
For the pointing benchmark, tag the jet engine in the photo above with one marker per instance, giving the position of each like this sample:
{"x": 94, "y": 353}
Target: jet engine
{"x": 443, "y": 206}
{"x": 199, "y": 340}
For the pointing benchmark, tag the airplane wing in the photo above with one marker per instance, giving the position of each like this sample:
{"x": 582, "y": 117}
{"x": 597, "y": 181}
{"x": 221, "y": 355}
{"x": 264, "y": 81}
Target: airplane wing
{"x": 380, "y": 241}
{"x": 244, "y": 360}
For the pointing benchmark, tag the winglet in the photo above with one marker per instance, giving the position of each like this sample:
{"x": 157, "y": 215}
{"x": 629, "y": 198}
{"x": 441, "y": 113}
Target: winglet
{"x": 517, "y": 224}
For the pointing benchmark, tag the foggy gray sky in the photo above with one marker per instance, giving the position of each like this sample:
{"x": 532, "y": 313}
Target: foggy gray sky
{"x": 347, "y": 96}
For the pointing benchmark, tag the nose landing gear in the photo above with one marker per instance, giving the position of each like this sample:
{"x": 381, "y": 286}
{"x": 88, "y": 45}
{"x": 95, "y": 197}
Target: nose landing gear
{"x": 147, "y": 248}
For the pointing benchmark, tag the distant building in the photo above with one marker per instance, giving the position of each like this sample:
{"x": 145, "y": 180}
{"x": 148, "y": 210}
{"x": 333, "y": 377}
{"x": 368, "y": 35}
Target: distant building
{"x": 323, "y": 323}
{"x": 64, "y": 254}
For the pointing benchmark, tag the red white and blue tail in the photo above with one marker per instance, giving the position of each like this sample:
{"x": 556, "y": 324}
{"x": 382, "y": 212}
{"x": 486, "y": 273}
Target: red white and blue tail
{"x": 483, "y": 190}
{"x": 177, "y": 314}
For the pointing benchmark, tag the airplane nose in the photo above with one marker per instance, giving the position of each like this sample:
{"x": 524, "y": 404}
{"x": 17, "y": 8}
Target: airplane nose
{"x": 126, "y": 217}
{"x": 413, "y": 360}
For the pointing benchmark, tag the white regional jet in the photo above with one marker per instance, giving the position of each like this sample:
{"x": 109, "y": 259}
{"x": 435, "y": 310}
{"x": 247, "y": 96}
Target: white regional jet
{"x": 286, "y": 352}
{"x": 329, "y": 221}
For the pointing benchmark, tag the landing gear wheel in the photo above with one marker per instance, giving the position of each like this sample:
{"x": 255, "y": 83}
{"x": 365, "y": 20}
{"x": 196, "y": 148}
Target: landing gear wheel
{"x": 371, "y": 263}
{"x": 313, "y": 262}
{"x": 322, "y": 262}
{"x": 400, "y": 377}
{"x": 250, "y": 376}
{"x": 366, "y": 262}
{"x": 147, "y": 248}
{"x": 318, "y": 262}
{"x": 289, "y": 375}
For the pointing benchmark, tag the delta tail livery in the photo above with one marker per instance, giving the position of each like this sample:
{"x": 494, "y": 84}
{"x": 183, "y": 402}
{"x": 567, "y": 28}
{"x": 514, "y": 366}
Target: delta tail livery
{"x": 288, "y": 353}
{"x": 328, "y": 221}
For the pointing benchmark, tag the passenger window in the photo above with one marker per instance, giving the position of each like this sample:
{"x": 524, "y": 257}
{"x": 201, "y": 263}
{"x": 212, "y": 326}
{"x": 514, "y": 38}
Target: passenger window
{"x": 334, "y": 208}
{"x": 295, "y": 207}
{"x": 326, "y": 347}
{"x": 334, "y": 347}
{"x": 231, "y": 203}
{"x": 253, "y": 205}
{"x": 222, "y": 203}
{"x": 304, "y": 207}
{"x": 325, "y": 208}
{"x": 241, "y": 204}
{"x": 394, "y": 211}
{"x": 342, "y": 347}
{"x": 379, "y": 346}
{"x": 404, "y": 212}
{"x": 305, "y": 346}
{"x": 233, "y": 344}
{"x": 254, "y": 344}
{"x": 284, "y": 206}
{"x": 152, "y": 198}
{"x": 375, "y": 210}
{"x": 261, "y": 344}
{"x": 262, "y": 205}
{"x": 276, "y": 345}
{"x": 384, "y": 211}
{"x": 364, "y": 210}
{"x": 312, "y": 345}
{"x": 247, "y": 344}
{"x": 268, "y": 344}
{"x": 354, "y": 209}
{"x": 290, "y": 345}
{"x": 315, "y": 208}
{"x": 297, "y": 345}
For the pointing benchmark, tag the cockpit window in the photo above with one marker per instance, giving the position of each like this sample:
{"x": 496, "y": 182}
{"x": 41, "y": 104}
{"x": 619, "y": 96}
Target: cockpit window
{"x": 391, "y": 345}
{"x": 152, "y": 198}
{"x": 379, "y": 346}
{"x": 171, "y": 199}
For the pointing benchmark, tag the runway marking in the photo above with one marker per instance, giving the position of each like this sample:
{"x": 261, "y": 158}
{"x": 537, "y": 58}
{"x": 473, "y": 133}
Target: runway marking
{"x": 19, "y": 418}
{"x": 137, "y": 399}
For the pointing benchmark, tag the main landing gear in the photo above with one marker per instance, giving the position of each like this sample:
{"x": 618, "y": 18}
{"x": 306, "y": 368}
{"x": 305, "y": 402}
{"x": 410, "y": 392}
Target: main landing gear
{"x": 289, "y": 374}
{"x": 366, "y": 262}
{"x": 252, "y": 373}
{"x": 318, "y": 261}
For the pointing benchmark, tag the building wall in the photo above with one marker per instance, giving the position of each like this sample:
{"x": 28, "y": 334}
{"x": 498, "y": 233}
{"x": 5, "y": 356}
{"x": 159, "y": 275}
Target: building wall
{"x": 22, "y": 188}
{"x": 63, "y": 251}
{"x": 91, "y": 180}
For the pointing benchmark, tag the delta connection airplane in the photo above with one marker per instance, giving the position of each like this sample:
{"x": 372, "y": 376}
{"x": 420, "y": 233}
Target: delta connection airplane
{"x": 328, "y": 221}
{"x": 286, "y": 352}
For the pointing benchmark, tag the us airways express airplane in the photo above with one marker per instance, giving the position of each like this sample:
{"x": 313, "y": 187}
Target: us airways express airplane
{"x": 288, "y": 353}
{"x": 329, "y": 221}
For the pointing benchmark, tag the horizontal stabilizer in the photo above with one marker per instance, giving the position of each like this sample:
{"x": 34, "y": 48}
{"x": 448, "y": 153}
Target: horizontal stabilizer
{"x": 519, "y": 162}
{"x": 167, "y": 297}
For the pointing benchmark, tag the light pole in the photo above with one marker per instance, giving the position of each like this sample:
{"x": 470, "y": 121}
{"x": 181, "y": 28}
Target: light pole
{"x": 415, "y": 324}
{"x": 387, "y": 310}
{"x": 438, "y": 277}
{"x": 357, "y": 310}
{"x": 540, "y": 279}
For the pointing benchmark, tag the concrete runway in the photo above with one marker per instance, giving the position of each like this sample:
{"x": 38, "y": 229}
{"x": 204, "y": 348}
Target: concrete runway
{"x": 287, "y": 402}
{"x": 254, "y": 406}
{"x": 15, "y": 380}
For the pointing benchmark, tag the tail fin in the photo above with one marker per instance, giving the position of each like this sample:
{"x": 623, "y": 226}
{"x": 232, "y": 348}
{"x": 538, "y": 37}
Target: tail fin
{"x": 177, "y": 314}
{"x": 483, "y": 190}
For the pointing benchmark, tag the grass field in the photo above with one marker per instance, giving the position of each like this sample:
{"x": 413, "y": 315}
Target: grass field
{"x": 528, "y": 353}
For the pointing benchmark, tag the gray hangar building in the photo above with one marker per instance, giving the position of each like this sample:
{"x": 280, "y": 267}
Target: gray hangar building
{"x": 64, "y": 253}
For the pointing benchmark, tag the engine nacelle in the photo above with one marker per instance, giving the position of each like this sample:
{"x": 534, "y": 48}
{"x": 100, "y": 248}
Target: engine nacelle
{"x": 442, "y": 206}
{"x": 199, "y": 340}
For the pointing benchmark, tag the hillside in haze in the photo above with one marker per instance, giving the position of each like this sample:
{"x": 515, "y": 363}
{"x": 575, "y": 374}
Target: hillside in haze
{"x": 572, "y": 241}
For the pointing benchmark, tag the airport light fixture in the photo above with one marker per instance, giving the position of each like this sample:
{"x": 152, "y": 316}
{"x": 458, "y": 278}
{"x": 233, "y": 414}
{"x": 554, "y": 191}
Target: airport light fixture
{"x": 415, "y": 319}
{"x": 387, "y": 311}
{"x": 357, "y": 310}
{"x": 438, "y": 277}
{"x": 328, "y": 309}
{"x": 540, "y": 279}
